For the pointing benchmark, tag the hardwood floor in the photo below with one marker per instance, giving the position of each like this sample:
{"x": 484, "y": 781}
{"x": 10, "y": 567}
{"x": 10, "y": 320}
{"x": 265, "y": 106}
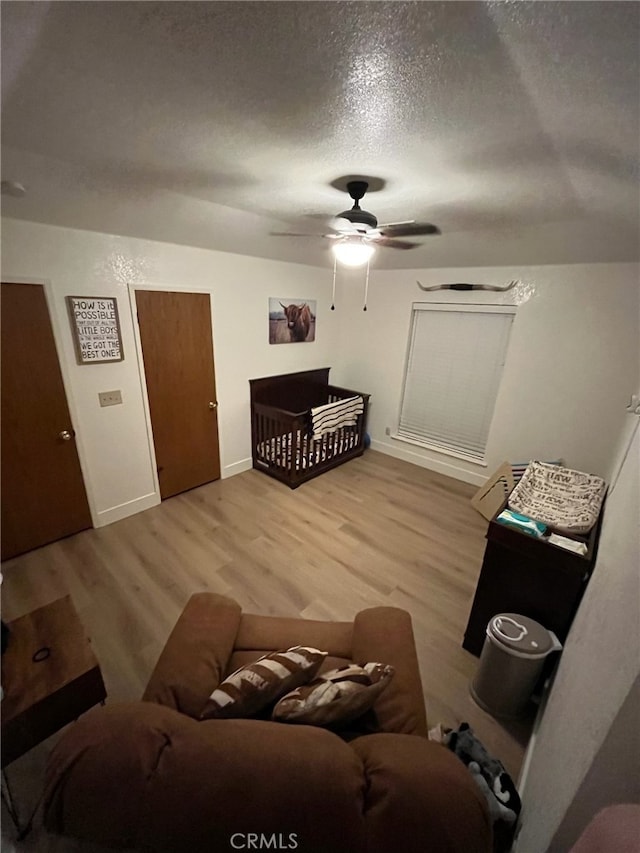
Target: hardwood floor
{"x": 373, "y": 531}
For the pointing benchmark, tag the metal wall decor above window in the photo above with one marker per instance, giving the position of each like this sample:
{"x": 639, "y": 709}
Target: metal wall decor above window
{"x": 454, "y": 367}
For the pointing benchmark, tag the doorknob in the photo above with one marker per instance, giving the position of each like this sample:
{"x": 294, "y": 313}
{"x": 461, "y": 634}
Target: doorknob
{"x": 213, "y": 405}
{"x": 66, "y": 435}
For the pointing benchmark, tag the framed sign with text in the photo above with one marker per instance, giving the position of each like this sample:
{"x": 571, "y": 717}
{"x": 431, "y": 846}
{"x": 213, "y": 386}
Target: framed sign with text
{"x": 96, "y": 329}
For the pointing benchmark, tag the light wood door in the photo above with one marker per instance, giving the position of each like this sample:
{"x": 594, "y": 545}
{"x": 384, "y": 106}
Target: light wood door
{"x": 43, "y": 494}
{"x": 177, "y": 349}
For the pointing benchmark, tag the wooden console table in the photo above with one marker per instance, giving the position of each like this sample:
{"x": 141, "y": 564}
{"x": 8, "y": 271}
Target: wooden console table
{"x": 522, "y": 574}
{"x": 49, "y": 676}
{"x": 43, "y": 695}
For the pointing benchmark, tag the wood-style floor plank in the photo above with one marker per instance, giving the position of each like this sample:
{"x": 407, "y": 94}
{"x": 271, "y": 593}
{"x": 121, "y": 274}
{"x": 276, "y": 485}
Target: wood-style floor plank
{"x": 375, "y": 531}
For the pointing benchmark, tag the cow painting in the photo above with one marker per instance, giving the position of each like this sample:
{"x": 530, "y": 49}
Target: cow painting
{"x": 298, "y": 319}
{"x": 292, "y": 321}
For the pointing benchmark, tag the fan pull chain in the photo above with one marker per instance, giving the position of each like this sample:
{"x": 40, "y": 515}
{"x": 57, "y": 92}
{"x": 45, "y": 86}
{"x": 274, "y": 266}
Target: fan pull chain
{"x": 333, "y": 292}
{"x": 366, "y": 288}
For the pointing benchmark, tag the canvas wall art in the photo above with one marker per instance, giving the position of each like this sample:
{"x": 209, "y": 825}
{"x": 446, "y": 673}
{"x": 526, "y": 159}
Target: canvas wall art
{"x": 95, "y": 326}
{"x": 292, "y": 321}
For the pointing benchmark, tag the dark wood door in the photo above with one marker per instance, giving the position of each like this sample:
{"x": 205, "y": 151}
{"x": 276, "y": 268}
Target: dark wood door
{"x": 177, "y": 348}
{"x": 43, "y": 493}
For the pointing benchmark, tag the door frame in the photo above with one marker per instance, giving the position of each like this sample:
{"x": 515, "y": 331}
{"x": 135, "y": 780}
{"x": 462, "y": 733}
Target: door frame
{"x": 57, "y": 326}
{"x": 167, "y": 288}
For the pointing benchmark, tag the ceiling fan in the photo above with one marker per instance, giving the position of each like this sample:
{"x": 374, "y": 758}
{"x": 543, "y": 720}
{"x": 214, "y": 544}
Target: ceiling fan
{"x": 356, "y": 232}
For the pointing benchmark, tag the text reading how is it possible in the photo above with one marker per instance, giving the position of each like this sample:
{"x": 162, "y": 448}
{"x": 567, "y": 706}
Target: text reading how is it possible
{"x": 97, "y": 326}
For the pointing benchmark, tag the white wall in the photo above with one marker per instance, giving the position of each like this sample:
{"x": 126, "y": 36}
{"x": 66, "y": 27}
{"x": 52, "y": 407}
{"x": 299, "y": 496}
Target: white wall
{"x": 596, "y": 673}
{"x": 569, "y": 372}
{"x": 571, "y": 366}
{"x": 612, "y": 778}
{"x": 113, "y": 444}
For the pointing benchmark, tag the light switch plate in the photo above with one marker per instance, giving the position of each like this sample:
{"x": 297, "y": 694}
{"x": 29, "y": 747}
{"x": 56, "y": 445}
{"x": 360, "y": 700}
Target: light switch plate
{"x": 110, "y": 398}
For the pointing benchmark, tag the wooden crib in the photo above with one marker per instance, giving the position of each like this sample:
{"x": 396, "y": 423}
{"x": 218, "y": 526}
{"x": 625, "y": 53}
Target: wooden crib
{"x": 282, "y": 444}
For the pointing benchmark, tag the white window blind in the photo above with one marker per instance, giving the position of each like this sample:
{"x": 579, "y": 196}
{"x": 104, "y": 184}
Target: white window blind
{"x": 454, "y": 366}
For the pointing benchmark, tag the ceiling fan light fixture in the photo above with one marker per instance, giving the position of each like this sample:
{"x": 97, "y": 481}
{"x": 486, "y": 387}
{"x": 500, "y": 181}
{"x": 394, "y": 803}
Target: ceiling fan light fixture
{"x": 353, "y": 253}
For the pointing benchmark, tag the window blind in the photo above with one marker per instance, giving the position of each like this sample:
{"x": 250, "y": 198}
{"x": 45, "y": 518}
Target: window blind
{"x": 454, "y": 366}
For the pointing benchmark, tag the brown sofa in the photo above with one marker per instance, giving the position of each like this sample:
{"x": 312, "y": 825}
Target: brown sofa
{"x": 150, "y": 776}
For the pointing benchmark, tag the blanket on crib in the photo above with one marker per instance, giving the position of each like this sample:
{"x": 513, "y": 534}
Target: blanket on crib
{"x": 278, "y": 451}
{"x": 332, "y": 416}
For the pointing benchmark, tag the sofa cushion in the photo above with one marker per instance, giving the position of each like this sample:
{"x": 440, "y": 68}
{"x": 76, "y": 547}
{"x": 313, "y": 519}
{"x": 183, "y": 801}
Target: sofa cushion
{"x": 417, "y": 799}
{"x": 335, "y": 698}
{"x": 248, "y": 690}
{"x": 149, "y": 778}
{"x": 385, "y": 633}
{"x": 246, "y": 657}
{"x": 267, "y": 633}
{"x": 195, "y": 656}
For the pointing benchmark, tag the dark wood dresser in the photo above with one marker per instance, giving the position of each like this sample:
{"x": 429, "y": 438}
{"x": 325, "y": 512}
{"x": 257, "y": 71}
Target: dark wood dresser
{"x": 522, "y": 574}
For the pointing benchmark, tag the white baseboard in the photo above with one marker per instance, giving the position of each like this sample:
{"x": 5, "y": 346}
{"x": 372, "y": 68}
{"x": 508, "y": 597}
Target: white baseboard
{"x": 237, "y": 468}
{"x": 523, "y": 778}
{"x": 116, "y": 513}
{"x": 446, "y": 468}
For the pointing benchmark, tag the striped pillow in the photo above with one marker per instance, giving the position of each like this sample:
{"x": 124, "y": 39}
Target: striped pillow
{"x": 251, "y": 688}
{"x": 336, "y": 697}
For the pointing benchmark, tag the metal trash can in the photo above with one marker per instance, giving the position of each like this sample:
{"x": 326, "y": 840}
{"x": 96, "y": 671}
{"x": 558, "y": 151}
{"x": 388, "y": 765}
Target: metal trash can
{"x": 512, "y": 658}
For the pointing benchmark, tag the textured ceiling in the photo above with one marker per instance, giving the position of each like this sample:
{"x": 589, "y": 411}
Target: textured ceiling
{"x": 512, "y": 126}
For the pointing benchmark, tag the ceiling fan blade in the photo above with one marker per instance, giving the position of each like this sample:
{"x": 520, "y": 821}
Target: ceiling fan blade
{"x": 390, "y": 243}
{"x": 401, "y": 222}
{"x": 409, "y": 229}
{"x": 292, "y": 234}
{"x": 299, "y": 234}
